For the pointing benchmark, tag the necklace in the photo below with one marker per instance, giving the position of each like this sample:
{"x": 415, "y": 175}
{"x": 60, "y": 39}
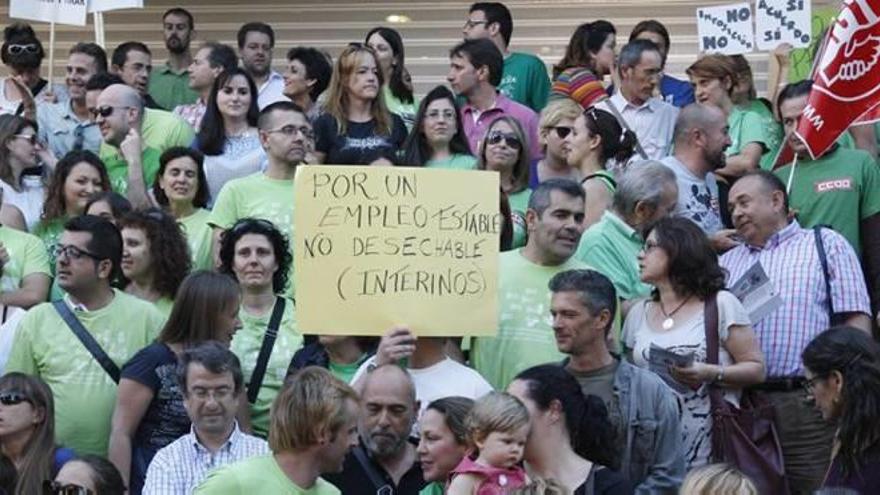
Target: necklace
{"x": 669, "y": 322}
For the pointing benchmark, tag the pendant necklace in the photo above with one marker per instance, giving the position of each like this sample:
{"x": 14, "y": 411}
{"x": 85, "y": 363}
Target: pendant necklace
{"x": 669, "y": 322}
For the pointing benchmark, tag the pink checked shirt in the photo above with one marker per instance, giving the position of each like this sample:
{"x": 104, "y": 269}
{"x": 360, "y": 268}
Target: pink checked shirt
{"x": 475, "y": 129}
{"x": 792, "y": 264}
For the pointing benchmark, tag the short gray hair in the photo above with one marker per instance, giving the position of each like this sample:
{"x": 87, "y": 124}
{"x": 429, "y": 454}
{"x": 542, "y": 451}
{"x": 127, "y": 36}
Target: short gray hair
{"x": 642, "y": 182}
{"x": 631, "y": 53}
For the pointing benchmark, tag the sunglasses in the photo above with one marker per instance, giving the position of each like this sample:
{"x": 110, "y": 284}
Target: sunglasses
{"x": 495, "y": 137}
{"x": 105, "y": 111}
{"x": 31, "y": 138}
{"x": 12, "y": 398}
{"x": 16, "y": 49}
{"x": 561, "y": 131}
{"x": 55, "y": 488}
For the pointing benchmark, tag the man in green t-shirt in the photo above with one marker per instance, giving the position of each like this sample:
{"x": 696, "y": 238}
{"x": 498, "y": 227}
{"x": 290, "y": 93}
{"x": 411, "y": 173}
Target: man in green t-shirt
{"x": 169, "y": 84}
{"x": 88, "y": 258}
{"x": 525, "y": 77}
{"x": 555, "y": 222}
{"x": 313, "y": 427}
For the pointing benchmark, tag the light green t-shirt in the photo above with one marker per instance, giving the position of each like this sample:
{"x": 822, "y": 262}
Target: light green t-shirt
{"x": 170, "y": 88}
{"x": 258, "y": 475}
{"x": 435, "y": 488}
{"x": 839, "y": 189}
{"x": 455, "y": 162}
{"x": 519, "y": 203}
{"x": 612, "y": 247}
{"x": 117, "y": 169}
{"x": 198, "y": 236}
{"x": 50, "y": 233}
{"x": 525, "y": 338}
{"x": 246, "y": 345}
{"x": 160, "y": 130}
{"x": 406, "y": 111}
{"x": 257, "y": 196}
{"x": 27, "y": 255}
{"x": 346, "y": 372}
{"x": 85, "y": 395}
{"x": 164, "y": 305}
{"x": 525, "y": 80}
{"x": 773, "y": 132}
{"x": 747, "y": 126}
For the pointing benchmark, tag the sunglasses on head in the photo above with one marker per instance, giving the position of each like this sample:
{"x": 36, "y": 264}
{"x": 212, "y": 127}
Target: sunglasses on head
{"x": 12, "y": 398}
{"x": 55, "y": 488}
{"x": 495, "y": 137}
{"x": 31, "y": 138}
{"x": 16, "y": 49}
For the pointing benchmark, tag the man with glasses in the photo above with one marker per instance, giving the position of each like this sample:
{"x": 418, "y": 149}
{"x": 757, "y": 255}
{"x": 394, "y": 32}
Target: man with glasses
{"x": 286, "y": 135}
{"x": 211, "y": 381}
{"x": 46, "y": 345}
{"x": 133, "y": 62}
{"x": 524, "y": 78}
{"x": 169, "y": 84}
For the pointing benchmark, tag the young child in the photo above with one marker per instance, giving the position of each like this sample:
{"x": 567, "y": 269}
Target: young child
{"x": 498, "y": 427}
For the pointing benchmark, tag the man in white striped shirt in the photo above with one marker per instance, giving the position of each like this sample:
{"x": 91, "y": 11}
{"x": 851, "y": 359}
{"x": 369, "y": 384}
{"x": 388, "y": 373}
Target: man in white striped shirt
{"x": 211, "y": 381}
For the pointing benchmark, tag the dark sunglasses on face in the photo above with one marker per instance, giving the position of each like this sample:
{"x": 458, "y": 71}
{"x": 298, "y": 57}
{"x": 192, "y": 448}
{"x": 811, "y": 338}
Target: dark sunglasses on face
{"x": 561, "y": 131}
{"x": 54, "y": 488}
{"x": 102, "y": 111}
{"x": 12, "y": 398}
{"x": 16, "y": 49}
{"x": 495, "y": 137}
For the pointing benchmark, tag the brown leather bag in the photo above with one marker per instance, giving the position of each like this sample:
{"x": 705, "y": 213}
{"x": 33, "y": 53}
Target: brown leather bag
{"x": 743, "y": 436}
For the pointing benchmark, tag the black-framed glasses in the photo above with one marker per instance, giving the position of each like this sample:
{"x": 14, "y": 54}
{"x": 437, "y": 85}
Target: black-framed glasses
{"x": 810, "y": 384}
{"x": 13, "y": 397}
{"x": 561, "y": 131}
{"x": 31, "y": 138}
{"x": 15, "y": 49}
{"x": 511, "y": 140}
{"x": 292, "y": 130}
{"x": 73, "y": 252}
{"x": 468, "y": 24}
{"x": 104, "y": 111}
{"x": 55, "y": 488}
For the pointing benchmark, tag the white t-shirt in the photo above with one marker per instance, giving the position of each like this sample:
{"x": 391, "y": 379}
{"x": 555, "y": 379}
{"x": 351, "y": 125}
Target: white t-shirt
{"x": 29, "y": 200}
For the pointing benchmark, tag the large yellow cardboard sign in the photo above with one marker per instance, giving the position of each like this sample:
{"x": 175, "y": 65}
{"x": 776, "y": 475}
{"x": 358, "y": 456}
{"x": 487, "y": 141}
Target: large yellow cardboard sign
{"x": 382, "y": 246}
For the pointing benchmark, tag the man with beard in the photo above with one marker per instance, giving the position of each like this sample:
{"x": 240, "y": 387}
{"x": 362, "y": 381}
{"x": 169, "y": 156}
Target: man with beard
{"x": 169, "y": 84}
{"x": 255, "y": 43}
{"x": 385, "y": 462}
{"x": 555, "y": 222}
{"x": 700, "y": 137}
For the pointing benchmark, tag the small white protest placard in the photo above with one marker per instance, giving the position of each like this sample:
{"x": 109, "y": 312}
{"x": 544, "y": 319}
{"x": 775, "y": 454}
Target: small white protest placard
{"x": 105, "y": 5}
{"x": 57, "y": 11}
{"x": 726, "y": 29}
{"x": 782, "y": 21}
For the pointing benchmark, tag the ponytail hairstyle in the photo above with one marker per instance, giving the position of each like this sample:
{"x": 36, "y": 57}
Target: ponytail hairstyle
{"x": 856, "y": 356}
{"x": 586, "y": 417}
{"x": 618, "y": 144}
{"x": 397, "y": 81}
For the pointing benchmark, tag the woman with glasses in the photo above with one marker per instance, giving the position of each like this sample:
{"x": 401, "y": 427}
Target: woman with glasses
{"x": 388, "y": 45}
{"x": 505, "y": 150}
{"x": 155, "y": 256}
{"x": 678, "y": 260}
{"x": 596, "y": 142}
{"x": 22, "y": 54}
{"x": 357, "y": 128}
{"x": 28, "y": 454}
{"x": 557, "y": 119}
{"x": 258, "y": 255}
{"x": 842, "y": 367}
{"x": 228, "y": 136}
{"x": 437, "y": 139}
{"x": 87, "y": 475}
{"x": 149, "y": 410}
{"x": 19, "y": 150}
{"x": 587, "y": 60}
{"x": 181, "y": 189}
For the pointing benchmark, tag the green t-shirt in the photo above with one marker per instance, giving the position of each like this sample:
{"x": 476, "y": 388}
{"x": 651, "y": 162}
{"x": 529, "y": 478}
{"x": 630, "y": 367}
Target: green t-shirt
{"x": 519, "y": 203}
{"x": 164, "y": 306}
{"x": 455, "y": 162}
{"x": 246, "y": 345}
{"x": 117, "y": 169}
{"x": 198, "y": 236}
{"x": 159, "y": 130}
{"x": 525, "y": 338}
{"x": 27, "y": 255}
{"x": 435, "y": 488}
{"x": 85, "y": 395}
{"x": 50, "y": 232}
{"x": 839, "y": 189}
{"x": 525, "y": 80}
{"x": 747, "y": 126}
{"x": 612, "y": 247}
{"x": 406, "y": 111}
{"x": 346, "y": 372}
{"x": 169, "y": 88}
{"x": 258, "y": 475}
{"x": 261, "y": 197}
{"x": 772, "y": 133}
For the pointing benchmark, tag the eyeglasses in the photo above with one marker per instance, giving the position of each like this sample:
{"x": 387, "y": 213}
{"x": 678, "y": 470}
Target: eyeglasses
{"x": 12, "y": 398}
{"x": 649, "y": 245}
{"x": 468, "y": 24}
{"x": 31, "y": 138}
{"x": 16, "y": 49}
{"x": 292, "y": 130}
{"x": 810, "y": 384}
{"x": 561, "y": 131}
{"x": 55, "y": 488}
{"x": 511, "y": 140}
{"x": 73, "y": 253}
{"x": 104, "y": 111}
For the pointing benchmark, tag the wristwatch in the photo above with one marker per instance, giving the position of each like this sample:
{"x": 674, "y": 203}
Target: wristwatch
{"x": 720, "y": 376}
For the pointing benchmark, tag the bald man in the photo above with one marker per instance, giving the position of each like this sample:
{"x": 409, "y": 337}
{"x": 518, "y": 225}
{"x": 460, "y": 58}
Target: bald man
{"x": 388, "y": 412}
{"x": 119, "y": 113}
{"x": 700, "y": 138}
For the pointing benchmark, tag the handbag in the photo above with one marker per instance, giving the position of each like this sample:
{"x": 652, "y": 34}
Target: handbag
{"x": 743, "y": 436}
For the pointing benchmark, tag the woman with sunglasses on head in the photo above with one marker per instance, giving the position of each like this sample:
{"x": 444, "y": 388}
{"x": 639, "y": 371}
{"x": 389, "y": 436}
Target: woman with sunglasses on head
{"x": 22, "y": 54}
{"x": 258, "y": 255}
{"x": 28, "y": 454}
{"x": 437, "y": 139}
{"x": 181, "y": 189}
{"x": 155, "y": 256}
{"x": 149, "y": 410}
{"x": 228, "y": 136}
{"x": 587, "y": 60}
{"x": 557, "y": 119}
{"x": 357, "y": 127}
{"x": 596, "y": 142}
{"x": 87, "y": 475}
{"x": 505, "y": 150}
{"x": 842, "y": 367}
{"x": 398, "y": 93}
{"x": 19, "y": 150}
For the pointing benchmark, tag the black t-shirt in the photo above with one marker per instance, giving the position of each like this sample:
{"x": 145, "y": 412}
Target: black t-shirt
{"x": 354, "y": 480}
{"x": 360, "y": 145}
{"x": 606, "y": 482}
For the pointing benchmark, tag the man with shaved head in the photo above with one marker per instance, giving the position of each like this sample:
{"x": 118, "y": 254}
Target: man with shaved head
{"x": 385, "y": 461}
{"x": 119, "y": 113}
{"x": 700, "y": 138}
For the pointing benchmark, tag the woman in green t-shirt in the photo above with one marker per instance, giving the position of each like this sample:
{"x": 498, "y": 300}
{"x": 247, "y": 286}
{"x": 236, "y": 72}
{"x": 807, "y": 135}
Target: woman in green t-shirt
{"x": 397, "y": 90}
{"x": 437, "y": 139}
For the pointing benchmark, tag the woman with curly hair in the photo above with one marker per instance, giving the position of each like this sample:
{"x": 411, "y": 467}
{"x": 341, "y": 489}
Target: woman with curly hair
{"x": 258, "y": 255}
{"x": 149, "y": 410}
{"x": 679, "y": 262}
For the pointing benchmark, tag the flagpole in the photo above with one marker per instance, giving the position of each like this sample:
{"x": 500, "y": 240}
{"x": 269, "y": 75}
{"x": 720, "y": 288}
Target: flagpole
{"x": 51, "y": 54}
{"x": 791, "y": 175}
